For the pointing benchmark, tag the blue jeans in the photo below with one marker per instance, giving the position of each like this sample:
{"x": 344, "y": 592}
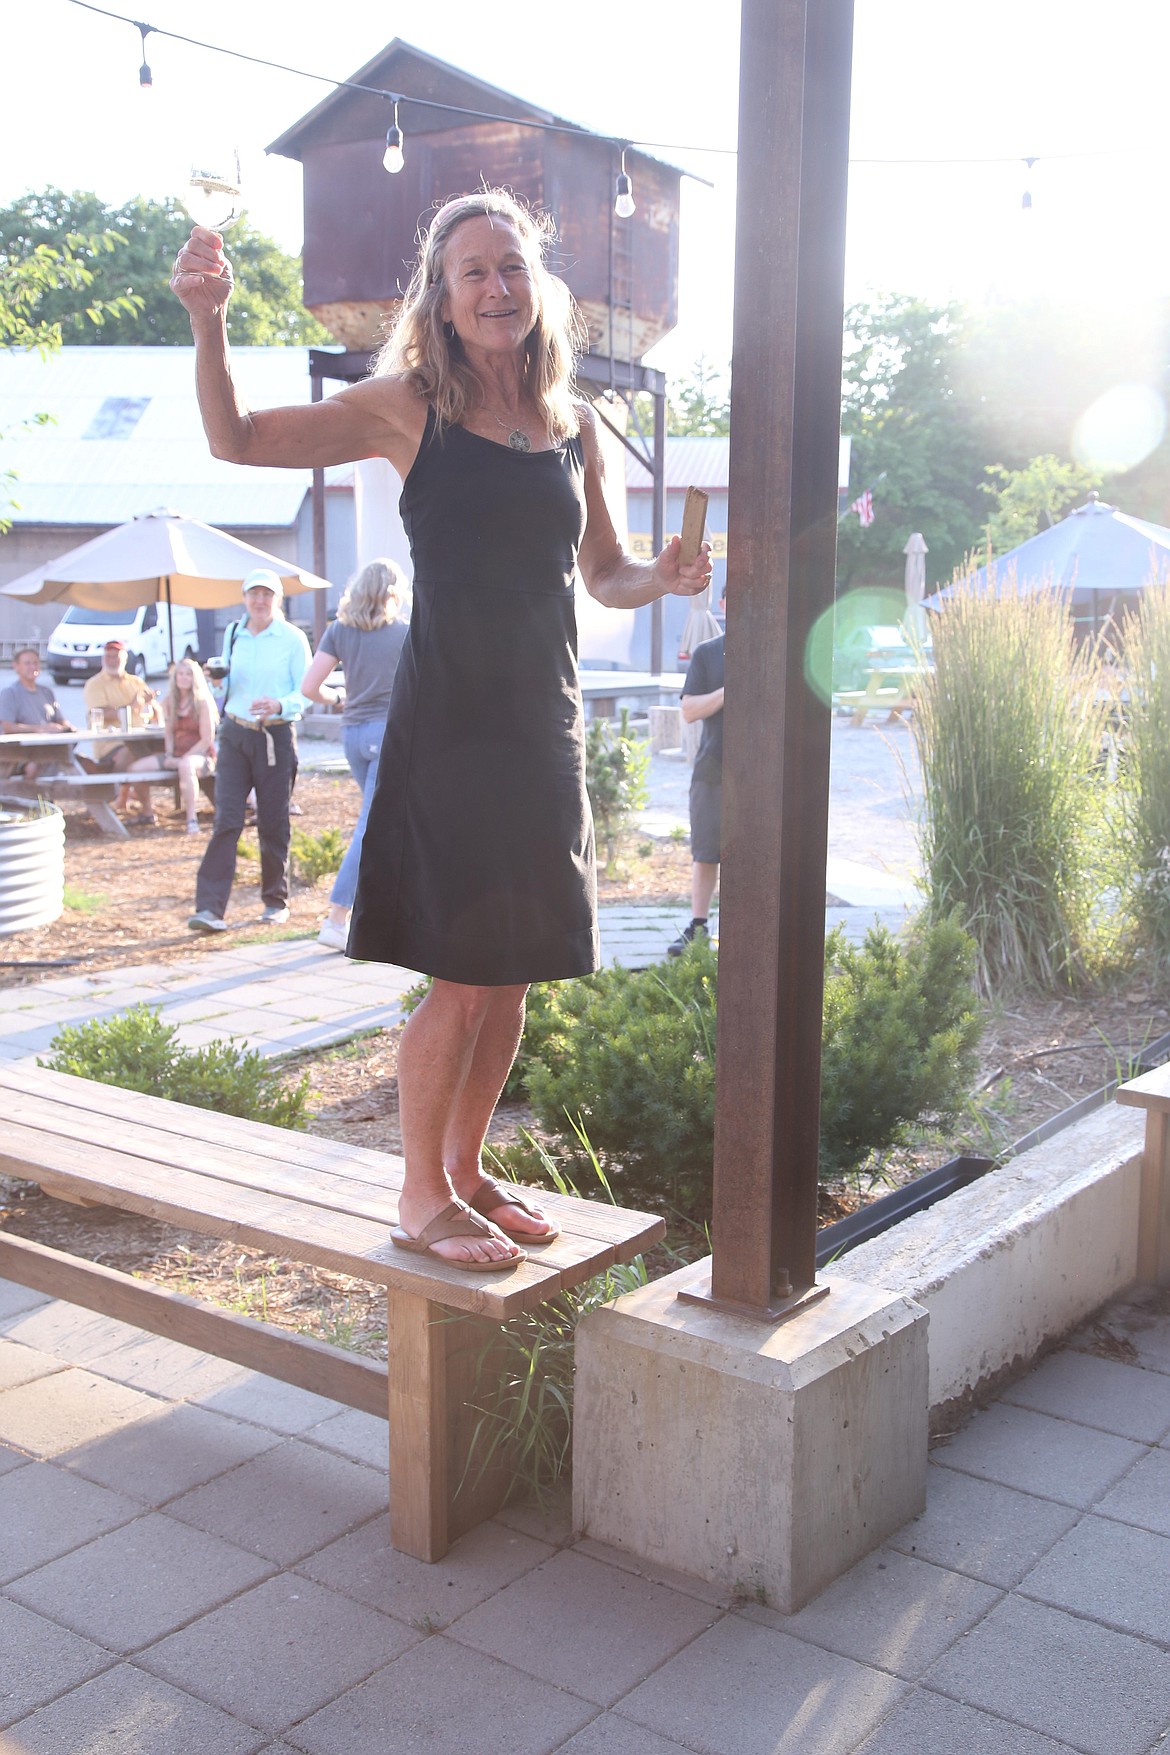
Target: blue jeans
{"x": 362, "y": 745}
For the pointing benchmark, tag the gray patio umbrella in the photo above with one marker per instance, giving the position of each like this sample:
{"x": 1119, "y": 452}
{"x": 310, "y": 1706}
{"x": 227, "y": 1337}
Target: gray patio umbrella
{"x": 1101, "y": 556}
{"x": 158, "y": 557}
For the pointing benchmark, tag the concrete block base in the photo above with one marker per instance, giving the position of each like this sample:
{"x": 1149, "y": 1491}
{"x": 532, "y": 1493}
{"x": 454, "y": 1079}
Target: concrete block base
{"x": 765, "y": 1459}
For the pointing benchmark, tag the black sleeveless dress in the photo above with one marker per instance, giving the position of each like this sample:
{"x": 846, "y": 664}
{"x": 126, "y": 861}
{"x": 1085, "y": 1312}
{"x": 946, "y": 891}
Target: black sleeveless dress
{"x": 477, "y": 862}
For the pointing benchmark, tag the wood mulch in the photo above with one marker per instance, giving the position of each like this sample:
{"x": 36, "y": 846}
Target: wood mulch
{"x": 130, "y": 902}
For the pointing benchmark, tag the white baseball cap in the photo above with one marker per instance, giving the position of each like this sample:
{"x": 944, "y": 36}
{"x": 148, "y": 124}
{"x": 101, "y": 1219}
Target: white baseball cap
{"x": 264, "y": 579}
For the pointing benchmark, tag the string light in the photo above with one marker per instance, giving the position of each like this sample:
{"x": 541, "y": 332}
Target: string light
{"x": 144, "y": 74}
{"x": 393, "y": 158}
{"x": 1026, "y": 203}
{"x": 624, "y": 204}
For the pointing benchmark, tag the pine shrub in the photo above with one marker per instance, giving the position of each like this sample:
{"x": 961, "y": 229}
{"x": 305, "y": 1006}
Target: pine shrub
{"x": 136, "y": 1050}
{"x": 316, "y": 856}
{"x": 630, "y": 1058}
{"x": 616, "y": 767}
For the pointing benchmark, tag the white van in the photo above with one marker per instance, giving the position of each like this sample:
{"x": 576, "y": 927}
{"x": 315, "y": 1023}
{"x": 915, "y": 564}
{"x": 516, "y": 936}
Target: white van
{"x": 75, "y": 645}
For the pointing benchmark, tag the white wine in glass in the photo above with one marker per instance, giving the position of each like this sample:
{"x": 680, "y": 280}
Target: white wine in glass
{"x": 212, "y": 193}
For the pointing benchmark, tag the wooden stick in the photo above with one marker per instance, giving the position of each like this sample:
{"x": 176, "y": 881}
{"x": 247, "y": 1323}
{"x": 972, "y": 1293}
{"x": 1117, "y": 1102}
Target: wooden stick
{"x": 694, "y": 520}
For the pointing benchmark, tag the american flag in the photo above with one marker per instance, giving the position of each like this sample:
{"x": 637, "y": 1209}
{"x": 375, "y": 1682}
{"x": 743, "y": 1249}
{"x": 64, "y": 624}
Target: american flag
{"x": 863, "y": 506}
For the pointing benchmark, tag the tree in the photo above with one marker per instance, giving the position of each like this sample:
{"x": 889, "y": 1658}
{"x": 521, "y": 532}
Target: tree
{"x": 266, "y": 308}
{"x": 698, "y": 404}
{"x": 28, "y": 286}
{"x": 910, "y": 425}
{"x": 1033, "y": 498}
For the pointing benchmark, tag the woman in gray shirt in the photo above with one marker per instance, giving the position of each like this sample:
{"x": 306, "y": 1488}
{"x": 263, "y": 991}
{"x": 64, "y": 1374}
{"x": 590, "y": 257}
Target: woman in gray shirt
{"x": 366, "y": 640}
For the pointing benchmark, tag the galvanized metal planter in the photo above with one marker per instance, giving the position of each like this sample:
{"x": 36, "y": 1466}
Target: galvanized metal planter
{"x": 32, "y": 865}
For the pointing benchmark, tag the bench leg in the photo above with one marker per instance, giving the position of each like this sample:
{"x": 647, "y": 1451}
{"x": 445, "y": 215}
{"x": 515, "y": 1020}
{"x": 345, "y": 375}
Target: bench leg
{"x": 433, "y": 1355}
{"x": 1153, "y": 1263}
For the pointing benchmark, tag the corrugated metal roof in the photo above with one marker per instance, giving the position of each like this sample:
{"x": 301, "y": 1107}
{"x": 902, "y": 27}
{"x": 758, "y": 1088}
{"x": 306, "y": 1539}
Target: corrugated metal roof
{"x": 689, "y": 463}
{"x": 162, "y": 459}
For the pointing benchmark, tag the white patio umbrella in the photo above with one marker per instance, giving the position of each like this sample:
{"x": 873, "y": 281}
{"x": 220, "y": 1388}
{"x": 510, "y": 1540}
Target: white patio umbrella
{"x": 700, "y": 625}
{"x": 916, "y": 552}
{"x": 158, "y": 557}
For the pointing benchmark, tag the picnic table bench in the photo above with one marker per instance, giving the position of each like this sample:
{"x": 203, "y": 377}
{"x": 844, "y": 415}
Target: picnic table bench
{"x": 891, "y": 689}
{"x": 96, "y": 791}
{"x": 317, "y": 1201}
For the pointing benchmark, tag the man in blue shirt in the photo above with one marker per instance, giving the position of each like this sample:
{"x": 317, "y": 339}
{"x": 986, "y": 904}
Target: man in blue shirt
{"x": 257, "y": 752}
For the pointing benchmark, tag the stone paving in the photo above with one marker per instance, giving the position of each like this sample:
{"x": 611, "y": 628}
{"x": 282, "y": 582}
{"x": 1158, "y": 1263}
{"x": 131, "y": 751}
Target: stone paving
{"x": 194, "y": 1558}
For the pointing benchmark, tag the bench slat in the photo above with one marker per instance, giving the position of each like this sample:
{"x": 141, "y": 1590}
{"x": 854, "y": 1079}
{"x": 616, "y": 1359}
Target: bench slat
{"x": 313, "y": 1159}
{"x": 325, "y": 1192}
{"x": 346, "y": 1245}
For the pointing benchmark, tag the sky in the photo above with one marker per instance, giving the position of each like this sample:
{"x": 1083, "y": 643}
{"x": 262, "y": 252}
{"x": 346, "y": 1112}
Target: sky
{"x": 1076, "y": 86}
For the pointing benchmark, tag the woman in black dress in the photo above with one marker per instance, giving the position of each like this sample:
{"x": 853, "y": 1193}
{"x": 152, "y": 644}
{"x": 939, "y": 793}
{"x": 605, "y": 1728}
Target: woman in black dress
{"x": 477, "y": 863}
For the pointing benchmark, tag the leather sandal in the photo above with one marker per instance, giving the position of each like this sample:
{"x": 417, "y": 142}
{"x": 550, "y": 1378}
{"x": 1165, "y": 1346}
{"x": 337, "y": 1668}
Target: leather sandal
{"x": 455, "y": 1220}
{"x": 489, "y": 1196}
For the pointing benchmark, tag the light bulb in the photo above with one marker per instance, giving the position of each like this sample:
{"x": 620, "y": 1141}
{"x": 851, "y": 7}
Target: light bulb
{"x": 392, "y": 158}
{"x": 624, "y": 205}
{"x": 144, "y": 74}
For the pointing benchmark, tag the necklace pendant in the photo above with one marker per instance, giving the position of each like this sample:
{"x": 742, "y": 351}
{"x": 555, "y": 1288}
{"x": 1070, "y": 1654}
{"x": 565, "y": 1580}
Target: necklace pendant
{"x": 518, "y": 441}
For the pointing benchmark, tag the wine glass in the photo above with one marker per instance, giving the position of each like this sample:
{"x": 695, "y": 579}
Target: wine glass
{"x": 211, "y": 194}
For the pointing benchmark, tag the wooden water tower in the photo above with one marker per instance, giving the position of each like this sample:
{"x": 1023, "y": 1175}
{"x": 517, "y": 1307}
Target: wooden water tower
{"x": 361, "y": 225}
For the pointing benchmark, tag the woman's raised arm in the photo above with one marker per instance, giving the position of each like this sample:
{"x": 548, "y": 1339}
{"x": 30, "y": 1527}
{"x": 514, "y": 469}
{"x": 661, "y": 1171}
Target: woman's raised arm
{"x": 381, "y": 417}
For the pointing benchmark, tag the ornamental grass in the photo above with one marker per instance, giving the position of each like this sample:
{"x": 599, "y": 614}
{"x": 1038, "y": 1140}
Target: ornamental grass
{"x": 1010, "y": 726}
{"x": 1145, "y": 771}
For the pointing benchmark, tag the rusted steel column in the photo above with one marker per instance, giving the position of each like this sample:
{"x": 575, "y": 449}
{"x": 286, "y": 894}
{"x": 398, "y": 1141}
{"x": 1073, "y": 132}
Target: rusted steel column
{"x": 795, "y": 62}
{"x": 658, "y": 525}
{"x": 320, "y": 607}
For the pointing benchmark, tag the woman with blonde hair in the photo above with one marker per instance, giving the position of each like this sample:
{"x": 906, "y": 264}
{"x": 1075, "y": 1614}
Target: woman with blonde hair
{"x": 190, "y": 721}
{"x": 367, "y": 641}
{"x": 477, "y": 865}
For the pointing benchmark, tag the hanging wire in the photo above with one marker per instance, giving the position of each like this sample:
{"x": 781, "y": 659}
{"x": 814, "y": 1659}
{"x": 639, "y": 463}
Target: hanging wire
{"x": 619, "y": 141}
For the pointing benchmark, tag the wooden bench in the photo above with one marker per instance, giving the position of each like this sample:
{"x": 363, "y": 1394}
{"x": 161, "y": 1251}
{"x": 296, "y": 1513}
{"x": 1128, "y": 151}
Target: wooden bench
{"x": 309, "y": 1200}
{"x": 1151, "y": 1092}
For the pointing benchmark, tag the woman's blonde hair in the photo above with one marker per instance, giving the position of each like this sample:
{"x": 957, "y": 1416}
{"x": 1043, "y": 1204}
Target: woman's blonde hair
{"x": 200, "y": 692}
{"x": 372, "y": 597}
{"x": 433, "y": 362}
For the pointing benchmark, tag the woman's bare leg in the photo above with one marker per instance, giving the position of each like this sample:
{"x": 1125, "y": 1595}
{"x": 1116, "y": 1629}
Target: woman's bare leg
{"x": 188, "y": 786}
{"x": 435, "y": 1060}
{"x": 495, "y": 1050}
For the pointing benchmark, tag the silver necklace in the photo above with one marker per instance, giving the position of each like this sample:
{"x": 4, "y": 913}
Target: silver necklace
{"x": 518, "y": 440}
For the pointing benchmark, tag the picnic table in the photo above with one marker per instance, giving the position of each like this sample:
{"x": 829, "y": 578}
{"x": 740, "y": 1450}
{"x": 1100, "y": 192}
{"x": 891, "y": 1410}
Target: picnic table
{"x": 96, "y": 791}
{"x": 888, "y": 686}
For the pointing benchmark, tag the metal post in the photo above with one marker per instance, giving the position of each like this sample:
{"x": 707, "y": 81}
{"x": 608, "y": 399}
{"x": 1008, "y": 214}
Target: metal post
{"x": 658, "y": 524}
{"x": 786, "y": 384}
{"x": 320, "y": 607}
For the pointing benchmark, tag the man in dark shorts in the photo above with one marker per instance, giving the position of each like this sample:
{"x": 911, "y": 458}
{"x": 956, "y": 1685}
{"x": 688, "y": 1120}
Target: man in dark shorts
{"x": 702, "y": 699}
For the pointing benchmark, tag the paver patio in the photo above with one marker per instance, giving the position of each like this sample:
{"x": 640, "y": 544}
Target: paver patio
{"x": 194, "y": 1557}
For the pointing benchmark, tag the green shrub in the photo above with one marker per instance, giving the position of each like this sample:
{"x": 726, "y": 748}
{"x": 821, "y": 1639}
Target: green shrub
{"x": 1009, "y": 727}
{"x": 616, "y": 766}
{"x": 630, "y": 1057}
{"x": 899, "y": 1041}
{"x": 136, "y": 1050}
{"x": 316, "y": 856}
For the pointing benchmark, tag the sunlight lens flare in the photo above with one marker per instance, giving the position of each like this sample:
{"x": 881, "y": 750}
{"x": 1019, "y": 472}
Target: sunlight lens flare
{"x": 1120, "y": 429}
{"x": 837, "y": 642}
